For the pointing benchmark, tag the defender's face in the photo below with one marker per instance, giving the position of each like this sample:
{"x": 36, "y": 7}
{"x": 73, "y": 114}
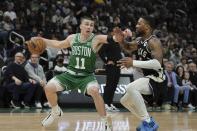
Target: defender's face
{"x": 87, "y": 26}
{"x": 140, "y": 26}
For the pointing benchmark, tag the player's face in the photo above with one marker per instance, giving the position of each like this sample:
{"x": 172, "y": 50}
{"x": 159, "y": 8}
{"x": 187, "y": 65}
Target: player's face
{"x": 140, "y": 26}
{"x": 87, "y": 26}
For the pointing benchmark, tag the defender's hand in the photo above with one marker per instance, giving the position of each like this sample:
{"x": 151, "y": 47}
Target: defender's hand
{"x": 125, "y": 62}
{"x": 119, "y": 36}
{"x": 127, "y": 33}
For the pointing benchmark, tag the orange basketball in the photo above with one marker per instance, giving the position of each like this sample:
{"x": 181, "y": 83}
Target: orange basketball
{"x": 36, "y": 46}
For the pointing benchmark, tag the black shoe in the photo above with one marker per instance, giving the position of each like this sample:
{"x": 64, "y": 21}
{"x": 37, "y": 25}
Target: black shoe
{"x": 184, "y": 105}
{"x": 15, "y": 104}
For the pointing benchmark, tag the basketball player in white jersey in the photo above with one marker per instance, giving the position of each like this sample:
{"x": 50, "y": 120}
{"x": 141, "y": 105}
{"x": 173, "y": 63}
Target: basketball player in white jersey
{"x": 149, "y": 59}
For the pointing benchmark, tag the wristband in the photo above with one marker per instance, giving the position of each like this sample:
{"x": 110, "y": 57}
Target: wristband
{"x": 110, "y": 39}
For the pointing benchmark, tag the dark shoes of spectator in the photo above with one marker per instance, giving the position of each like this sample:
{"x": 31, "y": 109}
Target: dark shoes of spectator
{"x": 15, "y": 104}
{"x": 185, "y": 105}
{"x": 174, "y": 107}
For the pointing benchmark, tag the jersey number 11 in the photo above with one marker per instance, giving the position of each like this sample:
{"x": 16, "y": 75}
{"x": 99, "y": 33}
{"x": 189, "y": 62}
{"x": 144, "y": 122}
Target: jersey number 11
{"x": 80, "y": 62}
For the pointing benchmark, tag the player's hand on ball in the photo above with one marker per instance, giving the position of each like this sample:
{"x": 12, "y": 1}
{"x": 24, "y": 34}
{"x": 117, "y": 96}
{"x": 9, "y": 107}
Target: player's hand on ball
{"x": 125, "y": 62}
{"x": 36, "y": 45}
{"x": 119, "y": 36}
{"x": 127, "y": 33}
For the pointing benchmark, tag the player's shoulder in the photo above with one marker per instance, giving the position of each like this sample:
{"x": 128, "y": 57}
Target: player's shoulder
{"x": 71, "y": 37}
{"x": 98, "y": 36}
{"x": 138, "y": 39}
{"x": 155, "y": 40}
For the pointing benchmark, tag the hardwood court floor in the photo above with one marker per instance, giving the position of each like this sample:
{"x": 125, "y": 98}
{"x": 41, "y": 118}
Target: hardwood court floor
{"x": 26, "y": 120}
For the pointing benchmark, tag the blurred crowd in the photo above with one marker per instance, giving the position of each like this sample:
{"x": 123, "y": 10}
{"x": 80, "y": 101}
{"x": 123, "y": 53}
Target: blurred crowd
{"x": 56, "y": 19}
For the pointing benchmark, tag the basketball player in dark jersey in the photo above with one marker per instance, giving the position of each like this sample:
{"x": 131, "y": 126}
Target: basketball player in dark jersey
{"x": 149, "y": 59}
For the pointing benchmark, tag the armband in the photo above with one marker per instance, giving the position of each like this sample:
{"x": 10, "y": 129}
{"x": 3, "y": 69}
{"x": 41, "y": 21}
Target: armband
{"x": 149, "y": 64}
{"x": 110, "y": 39}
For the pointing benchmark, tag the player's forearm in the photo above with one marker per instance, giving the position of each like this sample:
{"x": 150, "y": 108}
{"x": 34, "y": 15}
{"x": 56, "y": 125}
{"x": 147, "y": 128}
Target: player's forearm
{"x": 129, "y": 46}
{"x": 53, "y": 43}
{"x": 149, "y": 64}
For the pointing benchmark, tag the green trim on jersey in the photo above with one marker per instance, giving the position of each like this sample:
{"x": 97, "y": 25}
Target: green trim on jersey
{"x": 83, "y": 57}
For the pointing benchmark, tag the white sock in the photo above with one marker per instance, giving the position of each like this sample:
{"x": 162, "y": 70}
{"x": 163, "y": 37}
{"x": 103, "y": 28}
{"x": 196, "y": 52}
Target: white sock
{"x": 107, "y": 121}
{"x": 147, "y": 119}
{"x": 104, "y": 118}
{"x": 56, "y": 109}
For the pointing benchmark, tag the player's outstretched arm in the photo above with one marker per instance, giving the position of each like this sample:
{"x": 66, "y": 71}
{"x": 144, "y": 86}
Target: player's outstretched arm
{"x": 56, "y": 43}
{"x": 124, "y": 39}
{"x": 99, "y": 40}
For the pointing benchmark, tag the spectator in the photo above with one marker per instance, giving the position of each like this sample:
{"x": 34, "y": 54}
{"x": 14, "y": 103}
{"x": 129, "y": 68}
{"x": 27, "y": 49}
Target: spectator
{"x": 187, "y": 82}
{"x": 194, "y": 55}
{"x": 36, "y": 72}
{"x": 110, "y": 54}
{"x": 57, "y": 20}
{"x": 181, "y": 88}
{"x": 183, "y": 62}
{"x": 193, "y": 77}
{"x": 7, "y": 24}
{"x": 59, "y": 67}
{"x": 174, "y": 81}
{"x": 70, "y": 19}
{"x": 169, "y": 66}
{"x": 10, "y": 13}
{"x": 175, "y": 57}
{"x": 18, "y": 82}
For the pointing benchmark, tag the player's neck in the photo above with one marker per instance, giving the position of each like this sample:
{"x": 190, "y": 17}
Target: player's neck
{"x": 146, "y": 35}
{"x": 84, "y": 37}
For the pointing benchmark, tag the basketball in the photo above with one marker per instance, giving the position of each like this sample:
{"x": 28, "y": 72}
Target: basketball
{"x": 36, "y": 46}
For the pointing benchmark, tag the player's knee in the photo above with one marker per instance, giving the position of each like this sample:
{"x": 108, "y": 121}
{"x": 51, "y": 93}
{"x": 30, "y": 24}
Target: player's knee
{"x": 123, "y": 99}
{"x": 50, "y": 88}
{"x": 130, "y": 89}
{"x": 93, "y": 91}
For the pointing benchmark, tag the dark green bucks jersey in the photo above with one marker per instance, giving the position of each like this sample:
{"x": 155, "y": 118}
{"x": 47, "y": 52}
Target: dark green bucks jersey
{"x": 83, "y": 58}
